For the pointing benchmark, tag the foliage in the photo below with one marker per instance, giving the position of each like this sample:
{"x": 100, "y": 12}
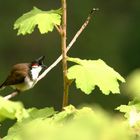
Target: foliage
{"x": 132, "y": 110}
{"x": 31, "y": 122}
{"x": 89, "y": 73}
{"x": 71, "y": 124}
{"x": 132, "y": 114}
{"x": 12, "y": 110}
{"x": 132, "y": 88}
{"x": 45, "y": 21}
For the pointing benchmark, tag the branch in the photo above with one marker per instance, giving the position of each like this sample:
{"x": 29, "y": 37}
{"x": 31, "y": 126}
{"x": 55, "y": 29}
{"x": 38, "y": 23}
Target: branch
{"x": 69, "y": 46}
{"x": 64, "y": 53}
{"x": 60, "y": 57}
{"x": 13, "y": 94}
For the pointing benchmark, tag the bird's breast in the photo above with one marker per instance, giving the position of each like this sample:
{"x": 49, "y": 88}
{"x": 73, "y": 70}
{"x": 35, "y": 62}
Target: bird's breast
{"x": 27, "y": 84}
{"x": 35, "y": 72}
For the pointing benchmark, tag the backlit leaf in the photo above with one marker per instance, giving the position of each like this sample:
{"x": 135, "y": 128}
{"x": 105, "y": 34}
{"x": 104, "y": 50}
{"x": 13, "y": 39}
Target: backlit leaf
{"x": 91, "y": 73}
{"x": 72, "y": 124}
{"x": 12, "y": 110}
{"x": 44, "y": 20}
{"x": 131, "y": 112}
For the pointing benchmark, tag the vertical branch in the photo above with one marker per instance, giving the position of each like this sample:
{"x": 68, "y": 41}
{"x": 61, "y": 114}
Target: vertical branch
{"x": 64, "y": 53}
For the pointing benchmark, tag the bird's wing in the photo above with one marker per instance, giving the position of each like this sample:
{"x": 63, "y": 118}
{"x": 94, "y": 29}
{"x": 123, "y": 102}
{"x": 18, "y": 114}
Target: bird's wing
{"x": 14, "y": 78}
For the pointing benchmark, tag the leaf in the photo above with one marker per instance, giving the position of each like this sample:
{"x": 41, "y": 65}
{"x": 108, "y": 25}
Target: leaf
{"x": 64, "y": 116}
{"x": 132, "y": 88}
{"x": 125, "y": 109}
{"x": 91, "y": 73}
{"x": 40, "y": 113}
{"x": 44, "y": 20}
{"x": 12, "y": 110}
{"x": 38, "y": 122}
{"x": 131, "y": 112}
{"x": 85, "y": 124}
{"x": 36, "y": 119}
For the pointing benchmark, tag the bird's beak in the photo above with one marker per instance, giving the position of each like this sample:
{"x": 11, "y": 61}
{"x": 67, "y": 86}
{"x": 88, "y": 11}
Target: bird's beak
{"x": 40, "y": 59}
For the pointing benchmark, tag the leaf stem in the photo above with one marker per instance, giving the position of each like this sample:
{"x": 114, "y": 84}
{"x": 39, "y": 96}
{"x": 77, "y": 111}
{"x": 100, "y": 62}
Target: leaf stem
{"x": 58, "y": 29}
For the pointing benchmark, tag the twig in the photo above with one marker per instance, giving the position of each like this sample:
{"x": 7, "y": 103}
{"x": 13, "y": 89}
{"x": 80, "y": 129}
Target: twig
{"x": 60, "y": 57}
{"x": 13, "y": 94}
{"x": 69, "y": 46}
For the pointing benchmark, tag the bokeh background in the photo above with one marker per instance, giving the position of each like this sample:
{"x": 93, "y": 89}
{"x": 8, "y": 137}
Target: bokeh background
{"x": 112, "y": 35}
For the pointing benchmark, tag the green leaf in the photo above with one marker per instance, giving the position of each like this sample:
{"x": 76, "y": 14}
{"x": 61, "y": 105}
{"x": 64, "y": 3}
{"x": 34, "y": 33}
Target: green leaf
{"x": 32, "y": 124}
{"x": 81, "y": 124}
{"x": 40, "y": 113}
{"x": 131, "y": 112}
{"x": 12, "y": 110}
{"x": 44, "y": 20}
{"x": 91, "y": 73}
{"x": 125, "y": 109}
{"x": 65, "y": 115}
{"x": 39, "y": 123}
{"x": 132, "y": 86}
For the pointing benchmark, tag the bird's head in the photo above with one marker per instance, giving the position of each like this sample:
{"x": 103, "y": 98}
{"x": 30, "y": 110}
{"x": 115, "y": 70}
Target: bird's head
{"x": 38, "y": 63}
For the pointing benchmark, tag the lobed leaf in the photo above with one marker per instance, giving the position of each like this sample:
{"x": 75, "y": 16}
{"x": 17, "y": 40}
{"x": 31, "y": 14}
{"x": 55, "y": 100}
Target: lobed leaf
{"x": 91, "y": 73}
{"x": 131, "y": 112}
{"x": 39, "y": 122}
{"x": 44, "y": 20}
{"x": 71, "y": 124}
{"x": 12, "y": 110}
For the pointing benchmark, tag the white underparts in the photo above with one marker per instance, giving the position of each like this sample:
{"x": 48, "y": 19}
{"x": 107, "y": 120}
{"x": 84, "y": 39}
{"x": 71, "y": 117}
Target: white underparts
{"x": 35, "y": 72}
{"x": 27, "y": 84}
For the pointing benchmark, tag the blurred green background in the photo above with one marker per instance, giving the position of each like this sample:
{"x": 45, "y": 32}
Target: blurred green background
{"x": 112, "y": 35}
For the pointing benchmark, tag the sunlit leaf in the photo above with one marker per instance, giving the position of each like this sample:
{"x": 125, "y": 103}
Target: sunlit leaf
{"x": 40, "y": 113}
{"x": 31, "y": 124}
{"x": 132, "y": 86}
{"x": 91, "y": 73}
{"x": 71, "y": 124}
{"x": 12, "y": 110}
{"x": 39, "y": 124}
{"x": 44, "y": 20}
{"x": 131, "y": 112}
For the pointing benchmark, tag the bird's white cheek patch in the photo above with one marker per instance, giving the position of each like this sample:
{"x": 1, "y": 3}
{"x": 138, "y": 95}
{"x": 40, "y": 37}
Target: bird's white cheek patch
{"x": 35, "y": 72}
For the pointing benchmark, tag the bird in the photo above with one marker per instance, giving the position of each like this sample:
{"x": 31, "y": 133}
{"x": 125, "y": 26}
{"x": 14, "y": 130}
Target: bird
{"x": 23, "y": 76}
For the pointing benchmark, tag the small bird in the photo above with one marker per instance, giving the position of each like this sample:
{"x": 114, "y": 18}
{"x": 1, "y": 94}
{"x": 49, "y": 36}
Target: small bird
{"x": 23, "y": 76}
